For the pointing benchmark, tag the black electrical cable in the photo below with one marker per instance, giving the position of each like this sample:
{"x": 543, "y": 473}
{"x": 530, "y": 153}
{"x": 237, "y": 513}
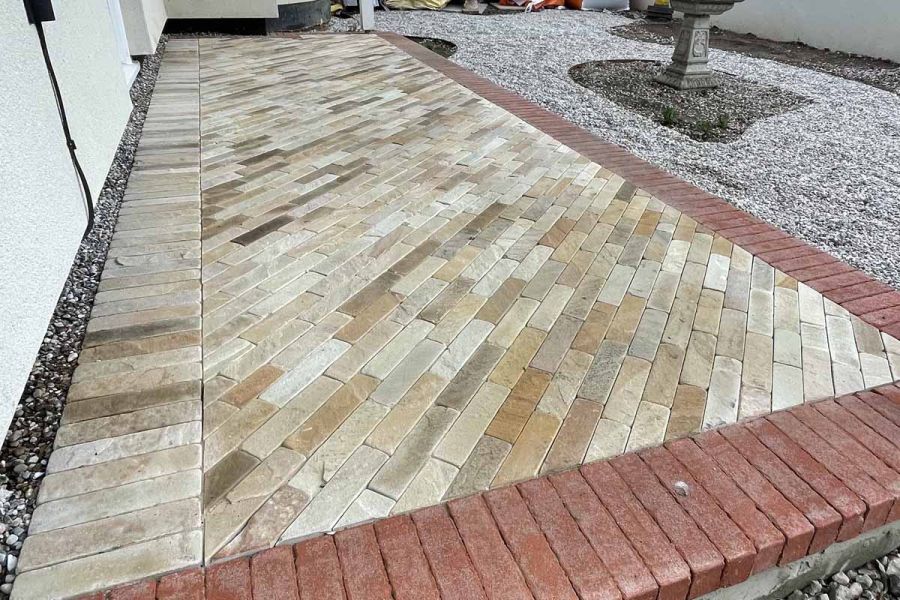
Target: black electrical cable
{"x": 70, "y": 143}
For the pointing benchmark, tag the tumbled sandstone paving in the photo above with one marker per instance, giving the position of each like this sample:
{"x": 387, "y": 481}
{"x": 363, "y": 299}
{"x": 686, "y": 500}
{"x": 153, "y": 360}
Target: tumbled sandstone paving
{"x": 386, "y": 234}
{"x": 408, "y": 295}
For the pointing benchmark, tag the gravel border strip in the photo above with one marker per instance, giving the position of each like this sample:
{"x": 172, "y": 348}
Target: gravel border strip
{"x": 878, "y": 579}
{"x": 29, "y": 440}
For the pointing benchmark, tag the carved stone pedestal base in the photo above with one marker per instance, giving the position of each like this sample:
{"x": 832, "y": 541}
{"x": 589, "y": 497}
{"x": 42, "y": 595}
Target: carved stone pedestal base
{"x": 681, "y": 81}
{"x": 689, "y": 69}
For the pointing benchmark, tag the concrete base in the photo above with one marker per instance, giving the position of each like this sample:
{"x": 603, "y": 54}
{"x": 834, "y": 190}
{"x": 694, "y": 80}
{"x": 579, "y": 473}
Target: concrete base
{"x": 779, "y": 582}
{"x": 690, "y": 81}
{"x": 300, "y": 15}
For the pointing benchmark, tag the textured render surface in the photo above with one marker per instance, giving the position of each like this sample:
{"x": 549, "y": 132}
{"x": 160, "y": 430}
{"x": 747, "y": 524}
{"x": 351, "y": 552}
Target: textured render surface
{"x": 410, "y": 294}
{"x": 42, "y": 207}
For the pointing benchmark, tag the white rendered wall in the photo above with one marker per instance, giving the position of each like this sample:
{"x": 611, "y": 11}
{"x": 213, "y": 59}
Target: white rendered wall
{"x": 42, "y": 214}
{"x": 144, "y": 22}
{"x": 221, "y": 9}
{"x": 870, "y": 27}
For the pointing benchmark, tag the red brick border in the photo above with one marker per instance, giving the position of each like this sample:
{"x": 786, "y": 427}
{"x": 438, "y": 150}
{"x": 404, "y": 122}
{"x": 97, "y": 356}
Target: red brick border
{"x": 872, "y": 301}
{"x": 671, "y": 522}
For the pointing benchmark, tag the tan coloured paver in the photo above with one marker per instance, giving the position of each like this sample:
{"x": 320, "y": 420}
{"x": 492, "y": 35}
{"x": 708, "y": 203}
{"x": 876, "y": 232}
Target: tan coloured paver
{"x": 408, "y": 294}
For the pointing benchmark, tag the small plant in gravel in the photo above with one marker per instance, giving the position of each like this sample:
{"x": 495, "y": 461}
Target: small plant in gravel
{"x": 724, "y": 121}
{"x": 669, "y": 116}
{"x": 705, "y": 128}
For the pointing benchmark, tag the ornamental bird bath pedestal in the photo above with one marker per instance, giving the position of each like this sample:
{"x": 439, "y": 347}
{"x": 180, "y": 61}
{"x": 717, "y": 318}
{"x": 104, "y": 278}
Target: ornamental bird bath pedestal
{"x": 689, "y": 69}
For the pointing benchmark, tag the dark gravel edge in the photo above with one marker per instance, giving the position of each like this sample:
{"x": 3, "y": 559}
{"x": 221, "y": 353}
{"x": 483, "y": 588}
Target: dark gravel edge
{"x": 878, "y": 579}
{"x": 719, "y": 115}
{"x": 29, "y": 440}
{"x": 439, "y": 46}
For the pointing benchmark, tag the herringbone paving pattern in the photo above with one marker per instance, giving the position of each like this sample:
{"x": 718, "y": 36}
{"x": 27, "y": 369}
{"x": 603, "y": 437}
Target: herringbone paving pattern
{"x": 408, "y": 295}
{"x": 411, "y": 295}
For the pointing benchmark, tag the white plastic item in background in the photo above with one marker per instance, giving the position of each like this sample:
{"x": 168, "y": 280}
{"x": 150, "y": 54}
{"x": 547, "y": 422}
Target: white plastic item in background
{"x": 367, "y": 15}
{"x": 604, "y": 5}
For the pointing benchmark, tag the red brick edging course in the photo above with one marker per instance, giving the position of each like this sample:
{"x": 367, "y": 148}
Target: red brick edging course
{"x": 874, "y": 302}
{"x": 671, "y": 522}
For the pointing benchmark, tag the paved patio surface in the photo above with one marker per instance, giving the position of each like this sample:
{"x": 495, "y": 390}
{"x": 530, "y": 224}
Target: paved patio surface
{"x": 406, "y": 294}
{"x": 756, "y": 495}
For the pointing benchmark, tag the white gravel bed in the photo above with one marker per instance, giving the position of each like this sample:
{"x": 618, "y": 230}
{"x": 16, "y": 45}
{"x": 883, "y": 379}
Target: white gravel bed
{"x": 828, "y": 172}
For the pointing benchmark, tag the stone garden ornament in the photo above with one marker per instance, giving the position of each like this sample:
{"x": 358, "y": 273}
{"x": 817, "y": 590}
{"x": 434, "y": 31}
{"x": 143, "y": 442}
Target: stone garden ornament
{"x": 689, "y": 69}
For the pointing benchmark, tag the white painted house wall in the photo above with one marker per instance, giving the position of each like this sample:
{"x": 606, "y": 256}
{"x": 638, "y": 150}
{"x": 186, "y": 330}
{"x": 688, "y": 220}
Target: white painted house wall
{"x": 870, "y": 27}
{"x": 43, "y": 213}
{"x": 144, "y": 22}
{"x": 221, "y": 9}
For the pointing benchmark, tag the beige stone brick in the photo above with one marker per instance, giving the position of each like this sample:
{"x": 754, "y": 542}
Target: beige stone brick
{"x": 262, "y": 439}
{"x": 527, "y": 454}
{"x": 480, "y": 467}
{"x": 113, "y": 501}
{"x": 131, "y": 444}
{"x": 339, "y": 406}
{"x": 388, "y": 434}
{"x": 787, "y": 386}
{"x": 109, "y": 569}
{"x": 698, "y": 360}
{"x": 462, "y": 437}
{"x": 368, "y": 506}
{"x": 758, "y": 358}
{"x": 709, "y": 311}
{"x": 413, "y": 452}
{"x": 327, "y": 507}
{"x": 609, "y": 440}
{"x": 517, "y": 358}
{"x": 664, "y": 375}
{"x": 817, "y": 379}
{"x": 687, "y": 412}
{"x": 574, "y": 436}
{"x": 724, "y": 393}
{"x": 405, "y": 374}
{"x": 649, "y": 427}
{"x": 627, "y": 391}
{"x": 513, "y": 322}
{"x": 428, "y": 486}
{"x": 454, "y": 321}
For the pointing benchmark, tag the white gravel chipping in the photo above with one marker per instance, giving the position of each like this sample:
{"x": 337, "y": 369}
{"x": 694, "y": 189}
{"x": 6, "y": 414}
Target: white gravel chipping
{"x": 828, "y": 172}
